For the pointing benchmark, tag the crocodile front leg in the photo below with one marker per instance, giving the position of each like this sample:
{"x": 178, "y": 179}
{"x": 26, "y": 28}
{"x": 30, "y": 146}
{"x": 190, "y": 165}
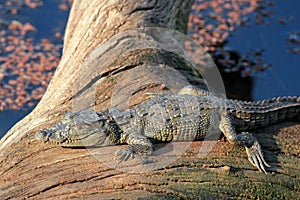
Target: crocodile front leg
{"x": 246, "y": 139}
{"x": 138, "y": 144}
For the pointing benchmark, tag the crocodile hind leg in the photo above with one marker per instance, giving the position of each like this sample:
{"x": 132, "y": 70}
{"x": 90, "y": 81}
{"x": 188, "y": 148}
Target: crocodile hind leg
{"x": 246, "y": 139}
{"x": 138, "y": 144}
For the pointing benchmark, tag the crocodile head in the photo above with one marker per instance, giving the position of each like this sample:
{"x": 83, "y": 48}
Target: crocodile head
{"x": 83, "y": 128}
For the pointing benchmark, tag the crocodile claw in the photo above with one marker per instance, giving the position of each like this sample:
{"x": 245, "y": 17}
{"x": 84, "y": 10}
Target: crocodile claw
{"x": 255, "y": 156}
{"x": 125, "y": 154}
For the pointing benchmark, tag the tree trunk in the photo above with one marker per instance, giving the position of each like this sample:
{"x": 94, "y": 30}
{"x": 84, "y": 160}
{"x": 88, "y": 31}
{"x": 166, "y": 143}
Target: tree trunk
{"x": 100, "y": 68}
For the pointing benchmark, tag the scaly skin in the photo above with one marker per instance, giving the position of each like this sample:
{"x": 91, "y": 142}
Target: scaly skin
{"x": 189, "y": 115}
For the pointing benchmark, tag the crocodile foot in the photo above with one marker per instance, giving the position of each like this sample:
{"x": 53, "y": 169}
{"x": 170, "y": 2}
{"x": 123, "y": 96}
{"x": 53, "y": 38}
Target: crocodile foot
{"x": 256, "y": 158}
{"x": 129, "y": 151}
{"x": 125, "y": 154}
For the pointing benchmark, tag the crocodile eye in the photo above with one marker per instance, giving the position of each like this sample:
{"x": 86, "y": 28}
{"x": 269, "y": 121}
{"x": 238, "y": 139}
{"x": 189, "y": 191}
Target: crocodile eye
{"x": 67, "y": 127}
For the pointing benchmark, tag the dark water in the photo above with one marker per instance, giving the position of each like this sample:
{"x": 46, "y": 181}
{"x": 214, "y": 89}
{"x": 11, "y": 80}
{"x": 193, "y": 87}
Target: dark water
{"x": 282, "y": 78}
{"x": 9, "y": 118}
{"x": 48, "y": 19}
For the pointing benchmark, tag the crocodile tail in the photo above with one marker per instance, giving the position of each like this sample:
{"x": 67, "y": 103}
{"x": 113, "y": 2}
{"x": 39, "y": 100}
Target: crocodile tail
{"x": 269, "y": 111}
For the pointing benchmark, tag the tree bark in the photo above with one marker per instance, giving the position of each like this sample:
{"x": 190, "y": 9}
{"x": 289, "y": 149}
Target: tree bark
{"x": 92, "y": 74}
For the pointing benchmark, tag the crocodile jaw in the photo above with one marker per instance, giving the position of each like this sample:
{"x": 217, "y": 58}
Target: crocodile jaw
{"x": 75, "y": 136}
{"x": 48, "y": 136}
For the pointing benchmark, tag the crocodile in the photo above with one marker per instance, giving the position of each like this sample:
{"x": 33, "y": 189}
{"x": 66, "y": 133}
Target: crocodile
{"x": 184, "y": 116}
